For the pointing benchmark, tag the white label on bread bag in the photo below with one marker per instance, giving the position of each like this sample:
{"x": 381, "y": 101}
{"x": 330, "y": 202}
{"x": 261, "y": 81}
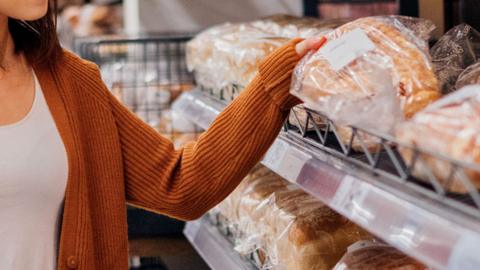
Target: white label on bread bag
{"x": 343, "y": 50}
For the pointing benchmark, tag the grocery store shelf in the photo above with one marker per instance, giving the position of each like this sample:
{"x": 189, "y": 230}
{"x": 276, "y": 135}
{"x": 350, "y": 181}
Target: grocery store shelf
{"x": 432, "y": 228}
{"x": 213, "y": 247}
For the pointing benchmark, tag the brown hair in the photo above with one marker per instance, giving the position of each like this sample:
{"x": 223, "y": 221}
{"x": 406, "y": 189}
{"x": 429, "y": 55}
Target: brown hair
{"x": 39, "y": 42}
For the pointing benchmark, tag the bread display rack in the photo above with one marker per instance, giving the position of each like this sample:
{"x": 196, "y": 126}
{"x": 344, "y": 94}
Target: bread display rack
{"x": 373, "y": 189}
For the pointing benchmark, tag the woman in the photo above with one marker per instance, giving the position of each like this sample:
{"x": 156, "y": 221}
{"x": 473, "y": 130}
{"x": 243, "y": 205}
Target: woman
{"x": 72, "y": 156}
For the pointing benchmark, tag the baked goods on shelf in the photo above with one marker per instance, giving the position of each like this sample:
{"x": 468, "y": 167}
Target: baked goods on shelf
{"x": 453, "y": 53}
{"x": 230, "y": 54}
{"x": 369, "y": 68}
{"x": 303, "y": 233}
{"x": 449, "y": 127}
{"x": 178, "y": 129}
{"x": 366, "y": 255}
{"x": 286, "y": 227}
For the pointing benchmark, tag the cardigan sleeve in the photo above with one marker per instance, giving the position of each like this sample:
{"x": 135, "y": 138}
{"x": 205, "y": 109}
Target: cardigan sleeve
{"x": 186, "y": 183}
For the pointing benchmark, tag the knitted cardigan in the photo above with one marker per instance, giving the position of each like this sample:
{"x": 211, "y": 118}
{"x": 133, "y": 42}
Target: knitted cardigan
{"x": 114, "y": 158}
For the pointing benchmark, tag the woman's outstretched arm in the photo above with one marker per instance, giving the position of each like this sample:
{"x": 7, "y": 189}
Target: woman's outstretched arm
{"x": 188, "y": 182}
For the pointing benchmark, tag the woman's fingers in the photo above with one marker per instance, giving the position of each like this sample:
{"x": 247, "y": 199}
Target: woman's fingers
{"x": 310, "y": 44}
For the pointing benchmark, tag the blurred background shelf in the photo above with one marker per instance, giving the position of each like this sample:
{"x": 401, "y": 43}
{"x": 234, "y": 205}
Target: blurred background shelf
{"x": 418, "y": 223}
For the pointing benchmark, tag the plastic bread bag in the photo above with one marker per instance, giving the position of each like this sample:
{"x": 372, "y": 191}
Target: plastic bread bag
{"x": 251, "y": 209}
{"x": 209, "y": 72}
{"x": 470, "y": 75}
{"x": 454, "y": 52}
{"x": 241, "y": 52}
{"x": 291, "y": 26}
{"x": 227, "y": 211}
{"x": 366, "y": 67}
{"x": 304, "y": 233}
{"x": 365, "y": 255}
{"x": 449, "y": 127}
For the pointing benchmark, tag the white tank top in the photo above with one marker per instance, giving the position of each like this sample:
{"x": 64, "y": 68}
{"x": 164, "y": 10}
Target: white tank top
{"x": 33, "y": 177}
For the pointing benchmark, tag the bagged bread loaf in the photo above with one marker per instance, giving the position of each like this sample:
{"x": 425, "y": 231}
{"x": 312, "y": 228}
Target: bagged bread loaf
{"x": 251, "y": 211}
{"x": 453, "y": 53}
{"x": 305, "y": 234}
{"x": 372, "y": 72}
{"x": 470, "y": 75}
{"x": 227, "y": 57}
{"x": 450, "y": 127}
{"x": 366, "y": 255}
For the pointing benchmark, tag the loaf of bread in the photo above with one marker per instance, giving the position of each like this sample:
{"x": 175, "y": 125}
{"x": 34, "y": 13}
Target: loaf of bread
{"x": 470, "y": 75}
{"x": 367, "y": 255}
{"x": 393, "y": 58}
{"x": 304, "y": 233}
{"x": 450, "y": 127}
{"x": 284, "y": 227}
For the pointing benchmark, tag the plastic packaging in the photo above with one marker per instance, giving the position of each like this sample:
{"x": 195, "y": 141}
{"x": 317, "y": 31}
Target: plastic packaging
{"x": 369, "y": 72}
{"x": 470, "y": 75}
{"x": 230, "y": 54}
{"x": 365, "y": 255}
{"x": 453, "y": 52}
{"x": 290, "y": 26}
{"x": 302, "y": 233}
{"x": 451, "y": 127}
{"x": 251, "y": 211}
{"x": 178, "y": 129}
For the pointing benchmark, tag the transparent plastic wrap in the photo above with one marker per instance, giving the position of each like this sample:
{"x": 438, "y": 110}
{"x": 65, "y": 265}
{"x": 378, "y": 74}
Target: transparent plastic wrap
{"x": 366, "y": 255}
{"x": 369, "y": 72}
{"x": 290, "y": 26}
{"x": 239, "y": 54}
{"x": 302, "y": 233}
{"x": 453, "y": 52}
{"x": 451, "y": 127}
{"x": 470, "y": 75}
{"x": 251, "y": 210}
{"x": 230, "y": 54}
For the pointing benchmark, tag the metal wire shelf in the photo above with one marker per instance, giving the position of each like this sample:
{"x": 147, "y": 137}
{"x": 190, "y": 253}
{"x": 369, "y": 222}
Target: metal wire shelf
{"x": 385, "y": 159}
{"x": 147, "y": 73}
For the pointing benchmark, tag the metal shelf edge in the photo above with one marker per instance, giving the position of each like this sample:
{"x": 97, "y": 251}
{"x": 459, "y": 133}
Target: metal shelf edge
{"x": 217, "y": 252}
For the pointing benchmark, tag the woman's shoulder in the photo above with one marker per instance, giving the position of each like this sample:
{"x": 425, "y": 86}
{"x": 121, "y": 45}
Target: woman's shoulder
{"x": 76, "y": 76}
{"x": 75, "y": 65}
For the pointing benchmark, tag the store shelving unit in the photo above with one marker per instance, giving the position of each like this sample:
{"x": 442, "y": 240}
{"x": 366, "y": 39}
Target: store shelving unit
{"x": 423, "y": 222}
{"x": 214, "y": 248}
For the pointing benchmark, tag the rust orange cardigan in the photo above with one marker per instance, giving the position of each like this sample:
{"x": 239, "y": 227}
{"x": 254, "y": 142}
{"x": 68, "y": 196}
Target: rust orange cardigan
{"x": 114, "y": 158}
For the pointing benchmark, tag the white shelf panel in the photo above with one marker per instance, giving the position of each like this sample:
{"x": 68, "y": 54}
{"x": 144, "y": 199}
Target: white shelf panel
{"x": 408, "y": 220}
{"x": 217, "y": 252}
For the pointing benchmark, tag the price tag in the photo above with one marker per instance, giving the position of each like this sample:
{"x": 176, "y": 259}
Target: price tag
{"x": 285, "y": 160}
{"x": 292, "y": 164}
{"x": 465, "y": 255}
{"x": 343, "y": 192}
{"x": 343, "y": 50}
{"x": 275, "y": 154}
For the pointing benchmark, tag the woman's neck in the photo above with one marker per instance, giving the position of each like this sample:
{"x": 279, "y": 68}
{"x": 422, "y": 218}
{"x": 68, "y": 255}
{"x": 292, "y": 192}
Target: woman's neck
{"x": 8, "y": 58}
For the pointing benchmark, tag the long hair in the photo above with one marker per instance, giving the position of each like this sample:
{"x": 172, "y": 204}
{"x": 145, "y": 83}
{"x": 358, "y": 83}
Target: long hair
{"x": 37, "y": 39}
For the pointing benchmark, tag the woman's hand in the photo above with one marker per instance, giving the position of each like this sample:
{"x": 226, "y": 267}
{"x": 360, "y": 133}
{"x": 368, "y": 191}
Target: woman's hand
{"x": 309, "y": 44}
